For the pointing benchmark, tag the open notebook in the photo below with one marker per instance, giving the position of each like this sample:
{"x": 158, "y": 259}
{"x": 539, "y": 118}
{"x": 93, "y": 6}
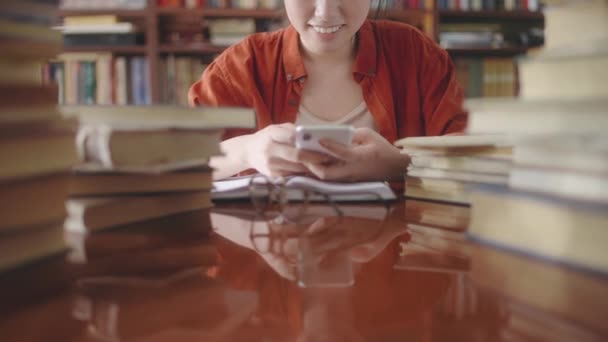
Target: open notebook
{"x": 238, "y": 188}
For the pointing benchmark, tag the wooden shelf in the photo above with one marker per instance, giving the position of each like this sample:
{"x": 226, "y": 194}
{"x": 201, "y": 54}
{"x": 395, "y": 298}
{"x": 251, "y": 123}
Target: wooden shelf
{"x": 502, "y": 51}
{"x": 491, "y": 15}
{"x": 191, "y": 49}
{"x": 120, "y": 13}
{"x": 127, "y": 49}
{"x": 222, "y": 13}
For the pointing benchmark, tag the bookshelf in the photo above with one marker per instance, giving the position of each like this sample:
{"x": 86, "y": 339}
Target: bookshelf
{"x": 152, "y": 20}
{"x": 488, "y": 68}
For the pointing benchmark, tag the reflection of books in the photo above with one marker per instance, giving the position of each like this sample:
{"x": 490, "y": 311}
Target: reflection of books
{"x": 37, "y": 242}
{"x": 184, "y": 304}
{"x": 537, "y": 325}
{"x": 418, "y": 258}
{"x": 452, "y": 217}
{"x": 577, "y": 297}
{"x": 180, "y": 230}
{"x": 296, "y": 187}
{"x": 434, "y": 249}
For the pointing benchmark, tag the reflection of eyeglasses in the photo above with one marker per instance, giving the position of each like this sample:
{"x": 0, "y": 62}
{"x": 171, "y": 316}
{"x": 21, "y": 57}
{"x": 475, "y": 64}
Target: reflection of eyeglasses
{"x": 288, "y": 218}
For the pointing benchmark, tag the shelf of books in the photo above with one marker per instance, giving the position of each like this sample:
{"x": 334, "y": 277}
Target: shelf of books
{"x": 515, "y": 14}
{"x": 150, "y": 31}
{"x": 485, "y": 36}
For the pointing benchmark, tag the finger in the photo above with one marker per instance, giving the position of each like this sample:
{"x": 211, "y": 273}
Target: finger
{"x": 284, "y": 151}
{"x": 286, "y": 167}
{"x": 362, "y": 135}
{"x": 284, "y": 133}
{"x": 342, "y": 151}
{"x": 313, "y": 157}
{"x": 336, "y": 171}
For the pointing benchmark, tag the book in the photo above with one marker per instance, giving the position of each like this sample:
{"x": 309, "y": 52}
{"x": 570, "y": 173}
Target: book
{"x": 584, "y": 186}
{"x": 537, "y": 117}
{"x": 26, "y": 96}
{"x": 86, "y": 214}
{"x": 20, "y": 248}
{"x": 18, "y": 48}
{"x": 114, "y": 183}
{"x": 20, "y": 71}
{"x": 463, "y": 176}
{"x": 29, "y": 202}
{"x": 19, "y": 115}
{"x": 583, "y": 153}
{"x": 296, "y": 187}
{"x": 145, "y": 150}
{"x": 461, "y": 163}
{"x": 437, "y": 189}
{"x": 568, "y": 232}
{"x": 29, "y": 31}
{"x": 102, "y": 39}
{"x": 586, "y": 19}
{"x": 454, "y": 142}
{"x": 554, "y": 76}
{"x": 150, "y": 117}
{"x": 36, "y": 149}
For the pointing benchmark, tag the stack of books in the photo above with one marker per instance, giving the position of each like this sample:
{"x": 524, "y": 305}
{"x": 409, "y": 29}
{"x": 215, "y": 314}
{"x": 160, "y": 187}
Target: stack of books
{"x": 556, "y": 205}
{"x": 442, "y": 168}
{"x": 36, "y": 144}
{"x": 141, "y": 163}
{"x": 225, "y": 32}
{"x": 99, "y": 30}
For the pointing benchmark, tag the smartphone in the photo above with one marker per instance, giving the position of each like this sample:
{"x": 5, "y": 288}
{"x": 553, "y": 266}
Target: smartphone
{"x": 307, "y": 137}
{"x": 335, "y": 269}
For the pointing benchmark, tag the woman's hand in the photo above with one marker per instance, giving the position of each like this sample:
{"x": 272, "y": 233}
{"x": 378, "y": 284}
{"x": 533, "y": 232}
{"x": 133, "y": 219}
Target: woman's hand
{"x": 370, "y": 157}
{"x": 271, "y": 151}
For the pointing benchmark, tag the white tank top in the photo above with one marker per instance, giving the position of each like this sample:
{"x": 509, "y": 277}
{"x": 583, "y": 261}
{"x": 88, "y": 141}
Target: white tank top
{"x": 358, "y": 117}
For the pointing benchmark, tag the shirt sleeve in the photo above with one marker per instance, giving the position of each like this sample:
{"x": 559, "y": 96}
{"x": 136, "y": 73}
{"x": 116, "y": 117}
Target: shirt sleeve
{"x": 442, "y": 103}
{"x": 217, "y": 88}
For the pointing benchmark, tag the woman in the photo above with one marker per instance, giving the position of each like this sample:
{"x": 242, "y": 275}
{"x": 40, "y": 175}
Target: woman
{"x": 332, "y": 65}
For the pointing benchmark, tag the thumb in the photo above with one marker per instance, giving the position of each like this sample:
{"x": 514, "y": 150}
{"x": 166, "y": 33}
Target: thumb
{"x": 362, "y": 135}
{"x": 340, "y": 150}
{"x": 284, "y": 134}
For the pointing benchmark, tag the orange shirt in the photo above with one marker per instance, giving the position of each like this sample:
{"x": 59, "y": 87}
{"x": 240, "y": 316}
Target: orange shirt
{"x": 408, "y": 81}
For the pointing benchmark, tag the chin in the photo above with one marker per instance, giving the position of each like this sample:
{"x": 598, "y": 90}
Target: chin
{"x": 326, "y": 47}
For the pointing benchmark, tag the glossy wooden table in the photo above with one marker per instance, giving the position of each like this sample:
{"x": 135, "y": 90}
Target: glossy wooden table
{"x": 399, "y": 273}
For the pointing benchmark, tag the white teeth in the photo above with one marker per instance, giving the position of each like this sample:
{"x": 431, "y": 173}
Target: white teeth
{"x": 327, "y": 30}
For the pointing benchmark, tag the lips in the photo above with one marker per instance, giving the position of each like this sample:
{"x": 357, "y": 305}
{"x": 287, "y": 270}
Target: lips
{"x": 327, "y": 29}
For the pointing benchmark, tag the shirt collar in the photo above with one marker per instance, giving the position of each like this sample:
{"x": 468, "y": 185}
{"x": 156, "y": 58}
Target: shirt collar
{"x": 365, "y": 62}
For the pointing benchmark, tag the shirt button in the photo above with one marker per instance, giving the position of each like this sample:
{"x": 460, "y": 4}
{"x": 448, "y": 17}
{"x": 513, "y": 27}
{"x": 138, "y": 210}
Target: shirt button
{"x": 292, "y": 102}
{"x": 289, "y": 77}
{"x": 371, "y": 71}
{"x": 302, "y": 80}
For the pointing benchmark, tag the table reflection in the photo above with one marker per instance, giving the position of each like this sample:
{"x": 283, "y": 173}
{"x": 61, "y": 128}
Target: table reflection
{"x": 329, "y": 277}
